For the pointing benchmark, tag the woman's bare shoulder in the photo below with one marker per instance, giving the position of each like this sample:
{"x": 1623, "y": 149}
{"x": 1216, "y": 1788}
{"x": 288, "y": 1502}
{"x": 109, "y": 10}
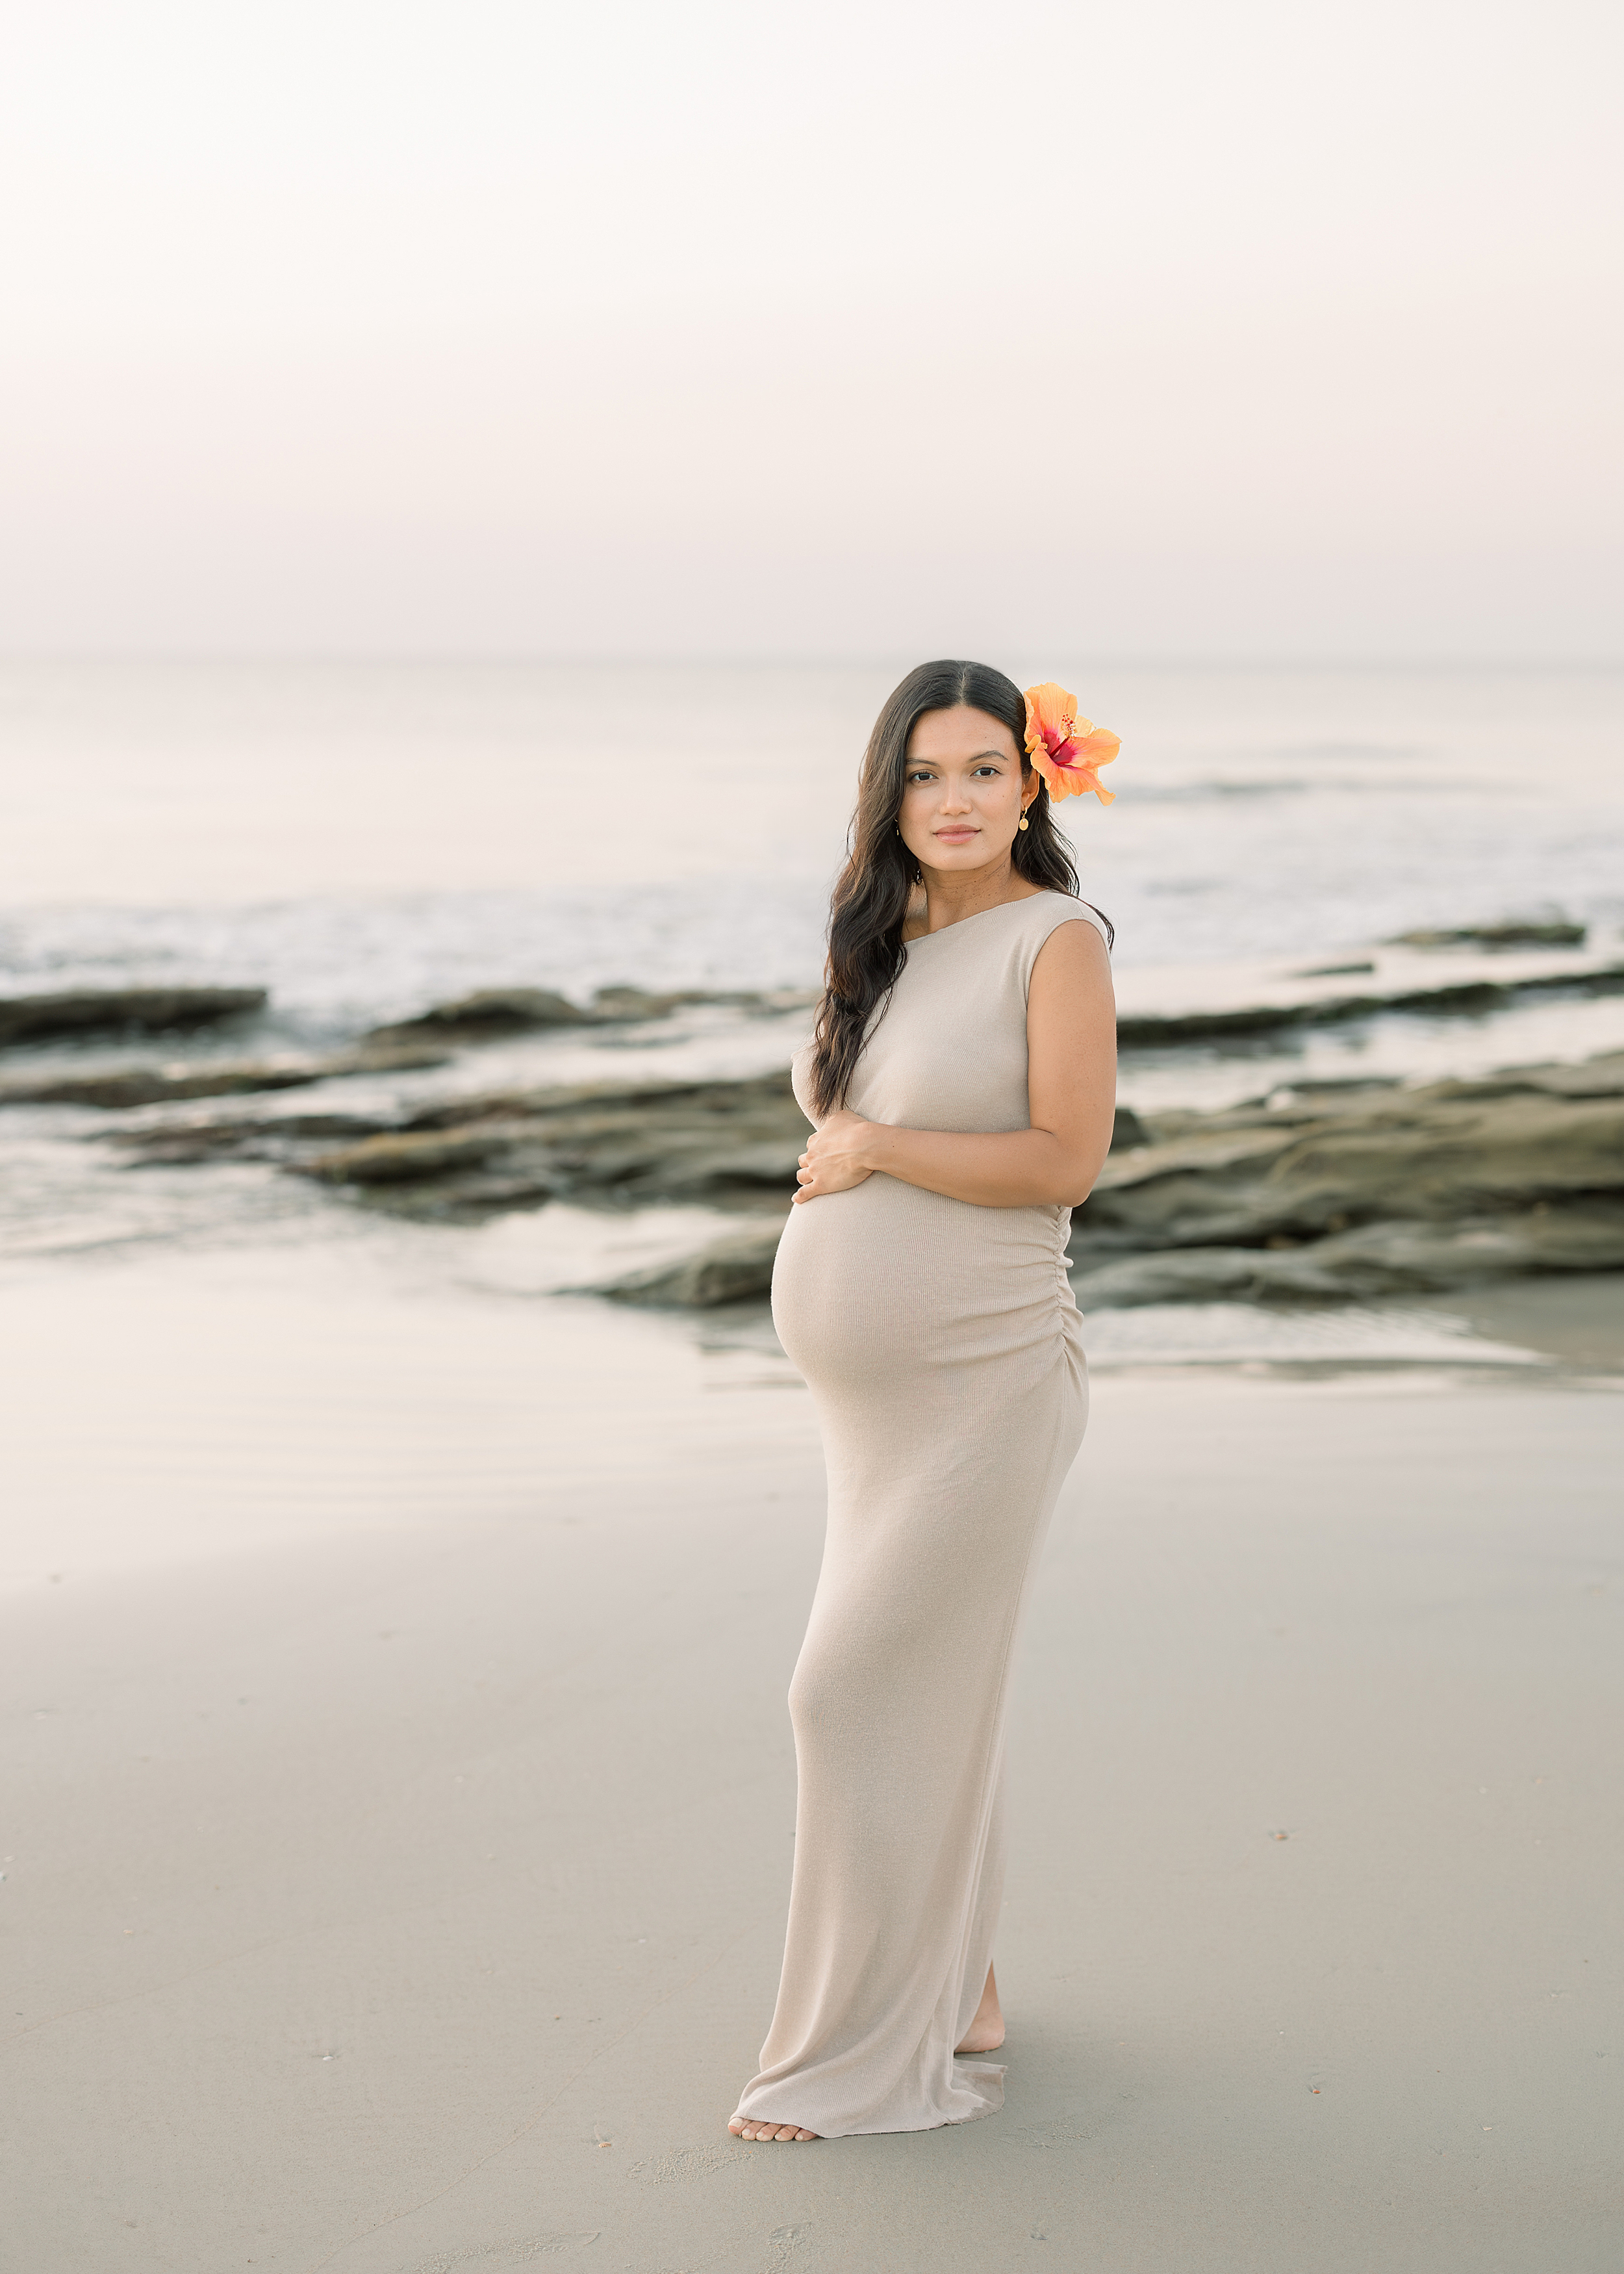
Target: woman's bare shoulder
{"x": 1074, "y": 959}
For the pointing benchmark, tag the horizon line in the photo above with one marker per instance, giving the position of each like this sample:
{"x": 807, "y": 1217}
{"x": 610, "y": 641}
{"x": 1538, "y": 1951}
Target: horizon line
{"x": 781, "y": 660}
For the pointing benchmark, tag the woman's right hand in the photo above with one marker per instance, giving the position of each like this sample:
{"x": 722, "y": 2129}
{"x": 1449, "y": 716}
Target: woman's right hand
{"x": 834, "y": 1159}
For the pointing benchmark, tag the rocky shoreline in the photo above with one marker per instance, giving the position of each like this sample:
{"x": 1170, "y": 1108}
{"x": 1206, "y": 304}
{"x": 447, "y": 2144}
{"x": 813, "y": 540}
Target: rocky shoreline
{"x": 1329, "y": 1193}
{"x": 1489, "y": 969}
{"x": 409, "y": 1045}
{"x": 1339, "y": 1191}
{"x": 613, "y": 1144}
{"x": 1326, "y": 1191}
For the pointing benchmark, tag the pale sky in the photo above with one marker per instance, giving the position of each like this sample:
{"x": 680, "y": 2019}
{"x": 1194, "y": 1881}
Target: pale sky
{"x": 1167, "y": 329}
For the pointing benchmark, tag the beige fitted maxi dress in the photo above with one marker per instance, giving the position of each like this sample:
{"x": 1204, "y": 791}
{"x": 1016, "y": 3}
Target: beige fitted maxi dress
{"x": 943, "y": 1347}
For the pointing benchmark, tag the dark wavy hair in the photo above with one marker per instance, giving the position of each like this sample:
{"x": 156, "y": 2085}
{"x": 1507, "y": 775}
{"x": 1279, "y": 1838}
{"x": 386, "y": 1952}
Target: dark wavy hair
{"x": 870, "y": 900}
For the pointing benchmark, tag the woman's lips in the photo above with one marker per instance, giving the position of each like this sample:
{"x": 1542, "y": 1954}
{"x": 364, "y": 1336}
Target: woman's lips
{"x": 956, "y": 836}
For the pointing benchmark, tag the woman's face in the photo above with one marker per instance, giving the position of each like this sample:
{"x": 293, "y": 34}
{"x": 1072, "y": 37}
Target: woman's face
{"x": 963, "y": 792}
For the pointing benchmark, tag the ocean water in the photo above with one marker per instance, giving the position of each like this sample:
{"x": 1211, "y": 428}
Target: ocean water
{"x": 367, "y": 839}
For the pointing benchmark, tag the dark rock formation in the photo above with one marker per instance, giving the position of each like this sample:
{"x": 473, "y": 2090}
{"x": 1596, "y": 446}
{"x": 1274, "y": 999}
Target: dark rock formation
{"x": 491, "y": 1015}
{"x": 1364, "y": 1191}
{"x": 1128, "y": 1130}
{"x": 125, "y": 1087}
{"x": 1467, "y": 996}
{"x": 150, "y": 1010}
{"x": 737, "y": 1267}
{"x": 188, "y": 1144}
{"x": 120, "y": 1089}
{"x": 1493, "y": 936}
{"x": 496, "y": 1012}
{"x": 1382, "y": 1259}
{"x": 1439, "y": 1160}
{"x": 729, "y": 1143}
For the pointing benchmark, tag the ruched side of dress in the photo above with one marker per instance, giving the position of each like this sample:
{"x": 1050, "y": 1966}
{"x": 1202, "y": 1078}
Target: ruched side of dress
{"x": 943, "y": 1347}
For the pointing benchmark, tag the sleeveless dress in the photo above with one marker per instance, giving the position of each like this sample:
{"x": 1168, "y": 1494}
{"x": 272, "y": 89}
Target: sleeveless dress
{"x": 944, "y": 1350}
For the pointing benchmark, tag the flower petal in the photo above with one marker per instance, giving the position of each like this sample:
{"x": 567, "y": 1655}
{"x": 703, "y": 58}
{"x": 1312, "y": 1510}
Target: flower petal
{"x": 1062, "y": 780}
{"x": 1067, "y": 750}
{"x": 1050, "y": 710}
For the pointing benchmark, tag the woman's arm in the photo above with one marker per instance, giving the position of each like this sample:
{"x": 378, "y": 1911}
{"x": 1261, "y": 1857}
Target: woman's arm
{"x": 1071, "y": 1091}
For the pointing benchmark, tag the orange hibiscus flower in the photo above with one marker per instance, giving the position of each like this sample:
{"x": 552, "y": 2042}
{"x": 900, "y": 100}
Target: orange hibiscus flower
{"x": 1068, "y": 751}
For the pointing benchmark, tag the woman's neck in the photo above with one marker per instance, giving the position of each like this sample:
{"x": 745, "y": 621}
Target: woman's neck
{"x": 950, "y": 895}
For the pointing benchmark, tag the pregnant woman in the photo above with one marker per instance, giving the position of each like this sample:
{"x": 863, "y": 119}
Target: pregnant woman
{"x": 961, "y": 1082}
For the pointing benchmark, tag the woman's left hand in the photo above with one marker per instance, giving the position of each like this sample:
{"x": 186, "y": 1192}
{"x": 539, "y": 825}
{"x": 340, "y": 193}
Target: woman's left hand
{"x": 833, "y": 1161}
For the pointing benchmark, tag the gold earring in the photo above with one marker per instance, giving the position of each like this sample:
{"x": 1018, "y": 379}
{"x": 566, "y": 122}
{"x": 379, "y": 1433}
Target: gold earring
{"x": 1023, "y": 820}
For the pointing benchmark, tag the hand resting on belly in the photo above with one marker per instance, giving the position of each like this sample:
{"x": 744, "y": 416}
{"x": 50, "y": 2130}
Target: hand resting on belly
{"x": 1071, "y": 1097}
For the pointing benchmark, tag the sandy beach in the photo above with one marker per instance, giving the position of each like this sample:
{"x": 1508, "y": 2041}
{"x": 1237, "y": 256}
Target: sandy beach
{"x": 395, "y": 1881}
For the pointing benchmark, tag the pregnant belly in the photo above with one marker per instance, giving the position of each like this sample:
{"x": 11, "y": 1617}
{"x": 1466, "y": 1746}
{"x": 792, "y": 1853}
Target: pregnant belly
{"x": 885, "y": 1284}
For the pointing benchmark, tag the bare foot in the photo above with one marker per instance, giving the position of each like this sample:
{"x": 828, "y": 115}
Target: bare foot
{"x": 985, "y": 2033}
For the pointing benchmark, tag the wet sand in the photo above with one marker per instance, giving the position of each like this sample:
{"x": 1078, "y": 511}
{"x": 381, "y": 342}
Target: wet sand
{"x": 396, "y": 1868}
{"x": 1577, "y": 1323}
